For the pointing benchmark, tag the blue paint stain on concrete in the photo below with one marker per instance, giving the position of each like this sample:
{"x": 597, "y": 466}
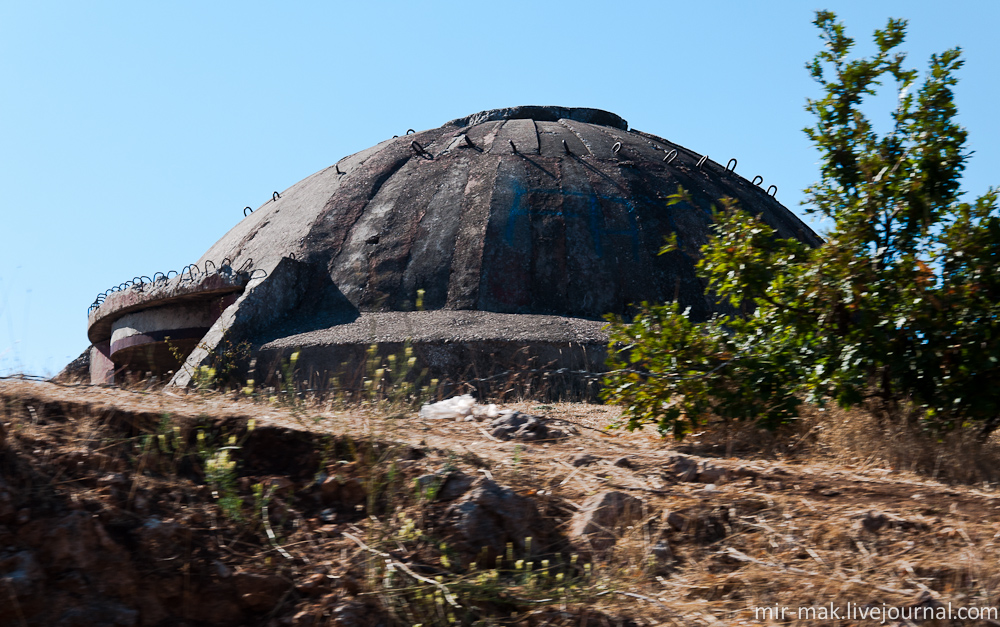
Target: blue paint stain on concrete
{"x": 593, "y": 213}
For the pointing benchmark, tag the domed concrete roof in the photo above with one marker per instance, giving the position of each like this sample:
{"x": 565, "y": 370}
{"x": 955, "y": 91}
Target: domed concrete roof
{"x": 547, "y": 211}
{"x": 542, "y": 210}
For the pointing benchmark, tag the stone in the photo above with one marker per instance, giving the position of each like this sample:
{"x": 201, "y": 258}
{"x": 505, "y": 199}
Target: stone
{"x": 492, "y": 515}
{"x": 594, "y": 525}
{"x": 513, "y": 425}
{"x": 873, "y": 521}
{"x": 707, "y": 473}
{"x": 445, "y": 486}
{"x": 661, "y": 558}
{"x": 345, "y": 493}
{"x": 677, "y": 522}
{"x": 624, "y": 462}
{"x": 259, "y": 593}
{"x": 313, "y": 585}
{"x": 683, "y": 468}
{"x": 584, "y": 459}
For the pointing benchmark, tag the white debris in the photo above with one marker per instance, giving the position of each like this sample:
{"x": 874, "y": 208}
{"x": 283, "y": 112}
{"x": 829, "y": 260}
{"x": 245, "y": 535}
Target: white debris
{"x": 454, "y": 408}
{"x": 459, "y": 408}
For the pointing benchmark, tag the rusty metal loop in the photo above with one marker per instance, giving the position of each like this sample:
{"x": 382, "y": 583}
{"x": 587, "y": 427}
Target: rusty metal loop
{"x": 757, "y": 180}
{"x": 291, "y": 256}
{"x": 148, "y": 280}
{"x": 733, "y": 163}
{"x": 670, "y": 156}
{"x": 512, "y": 146}
{"x": 468, "y": 140}
{"x": 336, "y": 168}
{"x": 275, "y": 196}
{"x": 770, "y": 193}
{"x": 162, "y": 277}
{"x": 247, "y": 265}
{"x": 245, "y": 211}
{"x": 566, "y": 147}
{"x": 225, "y": 262}
{"x": 209, "y": 261}
{"x": 417, "y": 148}
{"x": 410, "y": 130}
{"x": 701, "y": 161}
{"x": 616, "y": 148}
{"x": 174, "y": 271}
{"x": 253, "y": 275}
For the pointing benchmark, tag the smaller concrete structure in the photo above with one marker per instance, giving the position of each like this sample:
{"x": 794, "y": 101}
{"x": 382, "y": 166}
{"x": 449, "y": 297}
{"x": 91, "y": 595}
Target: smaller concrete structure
{"x": 152, "y": 327}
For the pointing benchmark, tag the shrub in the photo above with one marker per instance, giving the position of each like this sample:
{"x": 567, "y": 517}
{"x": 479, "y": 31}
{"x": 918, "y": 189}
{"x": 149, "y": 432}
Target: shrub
{"x": 899, "y": 305}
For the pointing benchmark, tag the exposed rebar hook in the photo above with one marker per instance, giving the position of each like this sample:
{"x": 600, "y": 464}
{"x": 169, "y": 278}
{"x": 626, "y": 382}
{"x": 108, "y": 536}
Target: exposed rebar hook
{"x": 616, "y": 148}
{"x": 275, "y": 196}
{"x": 701, "y": 161}
{"x": 468, "y": 141}
{"x": 410, "y": 130}
{"x": 245, "y": 209}
{"x": 336, "y": 168}
{"x": 772, "y": 193}
{"x": 512, "y": 146}
{"x": 670, "y": 156}
{"x": 757, "y": 180}
{"x": 732, "y": 162}
{"x": 566, "y": 147}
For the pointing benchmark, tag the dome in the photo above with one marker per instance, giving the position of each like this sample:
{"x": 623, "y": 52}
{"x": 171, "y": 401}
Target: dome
{"x": 523, "y": 225}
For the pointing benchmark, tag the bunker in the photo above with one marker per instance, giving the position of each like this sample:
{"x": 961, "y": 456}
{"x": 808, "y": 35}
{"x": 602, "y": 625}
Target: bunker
{"x": 494, "y": 242}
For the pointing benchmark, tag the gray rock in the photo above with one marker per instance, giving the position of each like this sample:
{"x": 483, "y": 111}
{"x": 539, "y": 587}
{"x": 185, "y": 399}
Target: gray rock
{"x": 873, "y": 521}
{"x": 491, "y": 515}
{"x": 445, "y": 486}
{"x": 707, "y": 473}
{"x": 677, "y": 522}
{"x": 683, "y": 468}
{"x": 661, "y": 558}
{"x": 594, "y": 526}
{"x": 523, "y": 427}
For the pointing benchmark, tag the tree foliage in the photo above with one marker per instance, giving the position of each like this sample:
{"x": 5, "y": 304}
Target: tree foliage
{"x": 899, "y": 304}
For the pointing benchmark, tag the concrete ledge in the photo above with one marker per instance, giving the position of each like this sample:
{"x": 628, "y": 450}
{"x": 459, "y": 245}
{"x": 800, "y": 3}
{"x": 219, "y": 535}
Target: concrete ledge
{"x": 179, "y": 289}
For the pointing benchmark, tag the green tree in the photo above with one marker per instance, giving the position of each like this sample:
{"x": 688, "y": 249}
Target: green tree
{"x": 899, "y": 305}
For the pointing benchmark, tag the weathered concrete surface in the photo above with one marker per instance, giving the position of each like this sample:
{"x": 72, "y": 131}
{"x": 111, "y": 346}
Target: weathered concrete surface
{"x": 480, "y": 226}
{"x": 264, "y": 302}
{"x": 451, "y": 345}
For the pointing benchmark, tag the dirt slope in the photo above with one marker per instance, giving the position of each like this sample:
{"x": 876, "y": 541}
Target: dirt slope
{"x": 117, "y": 508}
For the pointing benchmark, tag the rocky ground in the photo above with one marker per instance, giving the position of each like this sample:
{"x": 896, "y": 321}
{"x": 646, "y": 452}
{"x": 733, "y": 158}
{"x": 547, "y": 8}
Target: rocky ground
{"x": 155, "y": 508}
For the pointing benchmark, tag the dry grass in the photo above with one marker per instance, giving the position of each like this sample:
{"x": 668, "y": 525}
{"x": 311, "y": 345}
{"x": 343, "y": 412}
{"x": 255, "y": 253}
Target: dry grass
{"x": 838, "y": 510}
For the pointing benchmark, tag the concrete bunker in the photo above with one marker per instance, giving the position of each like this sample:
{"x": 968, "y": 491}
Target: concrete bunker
{"x": 495, "y": 241}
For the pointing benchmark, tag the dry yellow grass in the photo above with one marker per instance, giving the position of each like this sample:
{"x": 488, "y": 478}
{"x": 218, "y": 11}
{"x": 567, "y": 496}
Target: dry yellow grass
{"x": 839, "y": 510}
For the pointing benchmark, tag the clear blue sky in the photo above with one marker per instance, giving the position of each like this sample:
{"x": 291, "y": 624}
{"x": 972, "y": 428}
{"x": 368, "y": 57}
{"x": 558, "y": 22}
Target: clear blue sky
{"x": 134, "y": 133}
